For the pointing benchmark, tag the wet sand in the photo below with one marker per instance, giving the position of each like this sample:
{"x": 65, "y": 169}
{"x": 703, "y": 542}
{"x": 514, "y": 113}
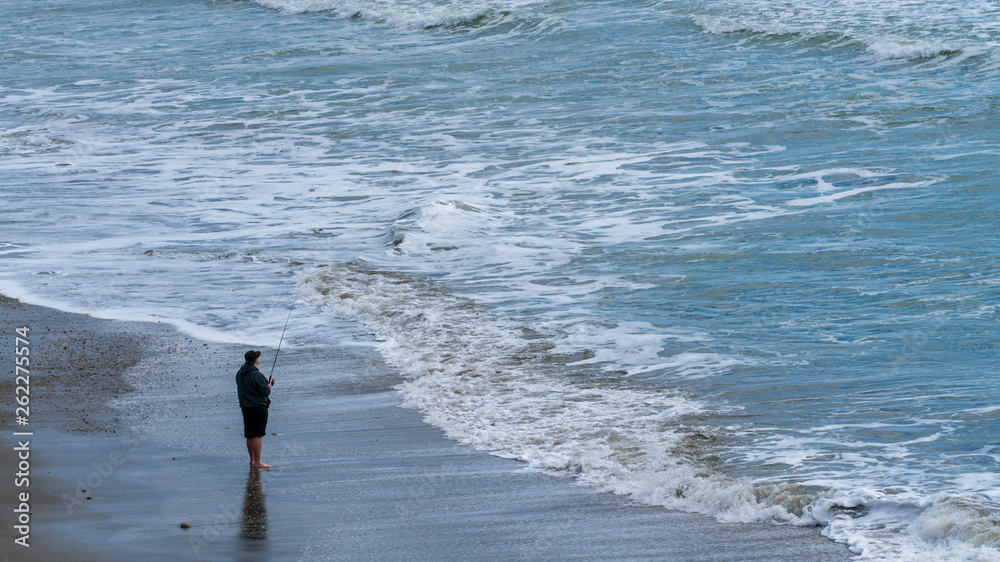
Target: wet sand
{"x": 136, "y": 430}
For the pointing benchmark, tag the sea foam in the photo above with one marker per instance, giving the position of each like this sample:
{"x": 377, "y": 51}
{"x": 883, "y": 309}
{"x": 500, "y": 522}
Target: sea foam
{"x": 400, "y": 13}
{"x": 885, "y": 31}
{"x": 489, "y": 382}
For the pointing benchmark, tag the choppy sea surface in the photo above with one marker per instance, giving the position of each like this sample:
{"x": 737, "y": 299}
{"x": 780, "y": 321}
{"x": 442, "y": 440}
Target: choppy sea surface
{"x": 732, "y": 257}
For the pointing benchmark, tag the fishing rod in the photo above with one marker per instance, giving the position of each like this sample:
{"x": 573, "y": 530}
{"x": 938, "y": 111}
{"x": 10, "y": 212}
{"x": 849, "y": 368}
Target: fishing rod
{"x": 271, "y": 376}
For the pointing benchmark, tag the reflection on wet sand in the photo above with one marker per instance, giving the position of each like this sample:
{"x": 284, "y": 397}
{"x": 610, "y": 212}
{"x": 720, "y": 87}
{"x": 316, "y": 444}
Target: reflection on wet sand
{"x": 254, "y": 523}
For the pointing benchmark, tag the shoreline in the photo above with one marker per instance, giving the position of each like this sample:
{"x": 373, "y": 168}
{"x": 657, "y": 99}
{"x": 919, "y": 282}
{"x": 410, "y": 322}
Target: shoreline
{"x": 146, "y": 422}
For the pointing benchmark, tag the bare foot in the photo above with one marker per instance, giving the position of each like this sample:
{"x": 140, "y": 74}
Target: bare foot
{"x": 260, "y": 465}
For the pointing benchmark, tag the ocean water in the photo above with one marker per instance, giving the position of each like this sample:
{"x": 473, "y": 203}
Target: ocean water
{"x": 733, "y": 257}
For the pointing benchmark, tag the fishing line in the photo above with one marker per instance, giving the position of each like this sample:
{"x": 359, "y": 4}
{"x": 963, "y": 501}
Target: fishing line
{"x": 271, "y": 376}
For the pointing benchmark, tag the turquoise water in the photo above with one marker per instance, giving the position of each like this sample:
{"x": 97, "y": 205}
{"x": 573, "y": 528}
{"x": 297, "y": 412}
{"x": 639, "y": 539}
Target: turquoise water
{"x": 737, "y": 258}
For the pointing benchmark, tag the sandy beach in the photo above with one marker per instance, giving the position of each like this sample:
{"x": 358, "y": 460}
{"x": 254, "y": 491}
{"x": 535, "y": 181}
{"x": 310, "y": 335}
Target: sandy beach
{"x": 136, "y": 430}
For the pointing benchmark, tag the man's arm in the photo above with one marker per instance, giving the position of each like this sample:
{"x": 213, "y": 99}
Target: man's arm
{"x": 263, "y": 387}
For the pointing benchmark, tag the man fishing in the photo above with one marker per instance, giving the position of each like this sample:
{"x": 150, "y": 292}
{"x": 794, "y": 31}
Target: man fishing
{"x": 254, "y": 390}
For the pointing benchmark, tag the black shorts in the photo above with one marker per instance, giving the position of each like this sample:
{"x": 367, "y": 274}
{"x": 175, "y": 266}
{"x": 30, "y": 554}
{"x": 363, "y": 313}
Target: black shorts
{"x": 254, "y": 421}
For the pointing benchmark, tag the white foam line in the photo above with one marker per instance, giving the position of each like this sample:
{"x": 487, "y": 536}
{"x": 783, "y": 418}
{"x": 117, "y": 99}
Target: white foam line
{"x": 16, "y": 291}
{"x": 805, "y": 202}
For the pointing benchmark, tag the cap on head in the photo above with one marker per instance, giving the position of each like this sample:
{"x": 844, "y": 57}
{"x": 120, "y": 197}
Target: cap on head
{"x": 251, "y": 356}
